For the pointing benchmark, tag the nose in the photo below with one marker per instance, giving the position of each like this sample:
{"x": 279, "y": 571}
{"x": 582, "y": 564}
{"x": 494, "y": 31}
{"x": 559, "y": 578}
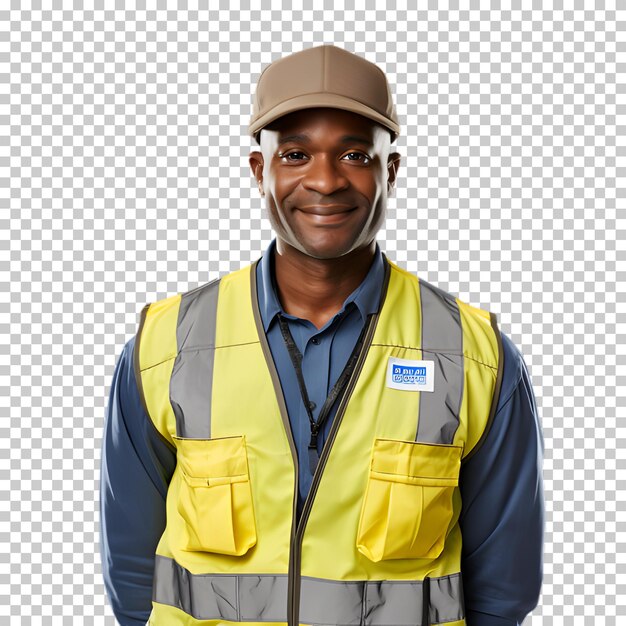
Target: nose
{"x": 324, "y": 176}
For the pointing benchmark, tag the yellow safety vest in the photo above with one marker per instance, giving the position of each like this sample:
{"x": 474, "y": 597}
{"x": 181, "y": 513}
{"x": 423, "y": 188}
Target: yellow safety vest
{"x": 378, "y": 542}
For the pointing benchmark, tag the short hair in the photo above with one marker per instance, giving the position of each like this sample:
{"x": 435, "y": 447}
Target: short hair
{"x": 271, "y": 125}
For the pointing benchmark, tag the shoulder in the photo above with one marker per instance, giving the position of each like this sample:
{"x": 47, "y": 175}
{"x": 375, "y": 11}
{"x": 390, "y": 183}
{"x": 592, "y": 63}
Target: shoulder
{"x": 123, "y": 391}
{"x": 125, "y": 359}
{"x": 155, "y": 340}
{"x": 124, "y": 380}
{"x": 513, "y": 369}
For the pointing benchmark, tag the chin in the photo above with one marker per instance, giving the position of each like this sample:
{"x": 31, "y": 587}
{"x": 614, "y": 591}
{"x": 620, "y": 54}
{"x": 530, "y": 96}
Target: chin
{"x": 320, "y": 250}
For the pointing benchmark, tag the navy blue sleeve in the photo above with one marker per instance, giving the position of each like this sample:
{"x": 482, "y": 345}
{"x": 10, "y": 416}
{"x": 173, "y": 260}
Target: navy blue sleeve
{"x": 502, "y": 519}
{"x": 135, "y": 470}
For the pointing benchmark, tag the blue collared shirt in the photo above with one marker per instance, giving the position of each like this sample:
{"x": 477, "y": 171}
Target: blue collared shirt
{"x": 502, "y": 519}
{"x": 324, "y": 352}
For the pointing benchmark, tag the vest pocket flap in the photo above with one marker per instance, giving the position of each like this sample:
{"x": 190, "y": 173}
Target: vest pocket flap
{"x": 214, "y": 496}
{"x": 416, "y": 462}
{"x": 407, "y": 506}
{"x": 224, "y": 457}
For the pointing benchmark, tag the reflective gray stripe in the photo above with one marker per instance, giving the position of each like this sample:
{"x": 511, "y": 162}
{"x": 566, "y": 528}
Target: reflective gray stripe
{"x": 263, "y": 598}
{"x": 442, "y": 342}
{"x": 192, "y": 374}
{"x": 233, "y": 597}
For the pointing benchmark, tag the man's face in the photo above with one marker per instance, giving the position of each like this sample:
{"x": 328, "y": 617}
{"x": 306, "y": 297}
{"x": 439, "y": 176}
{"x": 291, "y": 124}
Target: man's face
{"x": 327, "y": 188}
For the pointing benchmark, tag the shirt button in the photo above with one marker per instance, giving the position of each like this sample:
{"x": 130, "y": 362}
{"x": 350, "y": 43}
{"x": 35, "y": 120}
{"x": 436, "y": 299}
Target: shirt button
{"x": 315, "y": 340}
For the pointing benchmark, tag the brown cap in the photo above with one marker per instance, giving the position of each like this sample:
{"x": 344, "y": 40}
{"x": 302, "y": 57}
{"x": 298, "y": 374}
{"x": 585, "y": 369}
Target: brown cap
{"x": 323, "y": 76}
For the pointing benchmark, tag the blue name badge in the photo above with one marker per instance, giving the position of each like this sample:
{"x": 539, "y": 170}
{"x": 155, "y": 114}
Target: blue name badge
{"x": 410, "y": 375}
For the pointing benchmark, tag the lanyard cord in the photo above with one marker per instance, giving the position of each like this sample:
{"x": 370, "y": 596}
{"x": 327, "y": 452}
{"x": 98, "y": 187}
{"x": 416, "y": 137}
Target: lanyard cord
{"x": 296, "y": 359}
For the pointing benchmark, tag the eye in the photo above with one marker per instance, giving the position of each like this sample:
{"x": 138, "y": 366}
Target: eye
{"x": 365, "y": 157}
{"x": 283, "y": 155}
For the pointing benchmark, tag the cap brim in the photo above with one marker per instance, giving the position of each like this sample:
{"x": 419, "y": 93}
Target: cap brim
{"x": 334, "y": 101}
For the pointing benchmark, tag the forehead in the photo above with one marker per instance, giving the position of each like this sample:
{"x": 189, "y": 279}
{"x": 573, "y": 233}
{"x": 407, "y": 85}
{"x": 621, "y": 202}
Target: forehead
{"x": 326, "y": 123}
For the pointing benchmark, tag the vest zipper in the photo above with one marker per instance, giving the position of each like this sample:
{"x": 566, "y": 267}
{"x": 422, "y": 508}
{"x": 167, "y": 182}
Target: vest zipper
{"x": 297, "y": 530}
{"x": 295, "y": 574}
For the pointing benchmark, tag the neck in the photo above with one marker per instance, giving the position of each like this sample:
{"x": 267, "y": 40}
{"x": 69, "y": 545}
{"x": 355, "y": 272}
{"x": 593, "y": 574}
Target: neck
{"x": 315, "y": 289}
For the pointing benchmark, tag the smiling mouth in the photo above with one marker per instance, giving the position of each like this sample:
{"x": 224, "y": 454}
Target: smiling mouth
{"x": 332, "y": 218}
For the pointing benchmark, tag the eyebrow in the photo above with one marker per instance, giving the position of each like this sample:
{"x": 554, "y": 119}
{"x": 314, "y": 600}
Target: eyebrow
{"x": 344, "y": 139}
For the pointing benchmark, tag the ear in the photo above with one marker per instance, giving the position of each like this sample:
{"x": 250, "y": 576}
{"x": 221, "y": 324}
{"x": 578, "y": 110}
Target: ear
{"x": 393, "y": 164}
{"x": 256, "y": 165}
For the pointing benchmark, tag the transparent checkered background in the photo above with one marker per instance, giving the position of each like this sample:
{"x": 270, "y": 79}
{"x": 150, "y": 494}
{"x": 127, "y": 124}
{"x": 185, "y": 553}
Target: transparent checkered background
{"x": 125, "y": 179}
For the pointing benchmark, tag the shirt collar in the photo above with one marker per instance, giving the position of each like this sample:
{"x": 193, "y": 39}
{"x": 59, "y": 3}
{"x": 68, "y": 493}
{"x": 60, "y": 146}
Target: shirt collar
{"x": 366, "y": 296}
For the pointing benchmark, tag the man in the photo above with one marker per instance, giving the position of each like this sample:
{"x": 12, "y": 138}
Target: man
{"x": 322, "y": 437}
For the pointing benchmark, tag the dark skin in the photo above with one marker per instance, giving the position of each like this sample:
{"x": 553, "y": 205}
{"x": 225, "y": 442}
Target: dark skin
{"x": 321, "y": 258}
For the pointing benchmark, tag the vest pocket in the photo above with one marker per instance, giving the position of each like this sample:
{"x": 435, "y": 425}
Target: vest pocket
{"x": 407, "y": 506}
{"x": 215, "y": 499}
